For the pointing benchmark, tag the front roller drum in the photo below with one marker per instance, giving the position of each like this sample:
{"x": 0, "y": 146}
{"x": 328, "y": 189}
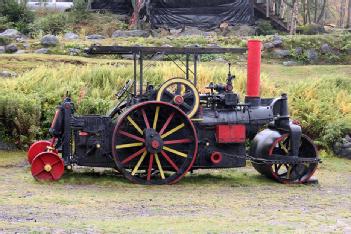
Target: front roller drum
{"x": 39, "y": 147}
{"x": 289, "y": 173}
{"x": 154, "y": 143}
{"x": 47, "y": 166}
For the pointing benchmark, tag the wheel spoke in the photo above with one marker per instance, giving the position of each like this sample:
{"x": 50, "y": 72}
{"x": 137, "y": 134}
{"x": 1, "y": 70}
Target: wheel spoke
{"x": 156, "y": 117}
{"x": 159, "y": 166}
{"x": 131, "y": 157}
{"x": 147, "y": 124}
{"x": 180, "y": 141}
{"x": 131, "y": 136}
{"x": 135, "y": 125}
{"x": 130, "y": 145}
{"x": 38, "y": 173}
{"x": 186, "y": 106}
{"x": 175, "y": 152}
{"x": 150, "y": 167}
{"x": 169, "y": 94}
{"x": 169, "y": 160}
{"x": 180, "y": 126}
{"x": 167, "y": 123}
{"x": 139, "y": 163}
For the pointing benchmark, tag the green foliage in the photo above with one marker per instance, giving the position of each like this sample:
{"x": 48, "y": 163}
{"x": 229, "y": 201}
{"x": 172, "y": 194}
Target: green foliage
{"x": 5, "y": 23}
{"x": 79, "y": 11}
{"x": 264, "y": 27}
{"x": 54, "y": 23}
{"x": 4, "y": 41}
{"x": 310, "y": 29}
{"x": 17, "y": 13}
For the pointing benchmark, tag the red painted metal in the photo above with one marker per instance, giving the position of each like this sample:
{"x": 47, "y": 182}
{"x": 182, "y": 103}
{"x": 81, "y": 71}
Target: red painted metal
{"x": 166, "y": 124}
{"x": 37, "y": 148}
{"x": 150, "y": 167}
{"x": 47, "y": 166}
{"x": 231, "y": 133}
{"x": 253, "y": 68}
{"x": 216, "y": 157}
{"x": 180, "y": 141}
{"x": 178, "y": 100}
{"x": 169, "y": 160}
{"x": 131, "y": 136}
{"x": 129, "y": 158}
{"x": 145, "y": 118}
{"x": 81, "y": 133}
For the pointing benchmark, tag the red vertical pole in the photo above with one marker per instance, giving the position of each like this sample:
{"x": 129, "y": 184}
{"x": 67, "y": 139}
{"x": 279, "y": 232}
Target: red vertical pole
{"x": 253, "y": 68}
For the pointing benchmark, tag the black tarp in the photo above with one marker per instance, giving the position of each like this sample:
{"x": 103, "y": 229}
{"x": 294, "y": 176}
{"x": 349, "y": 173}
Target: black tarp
{"x": 204, "y": 14}
{"x": 122, "y": 7}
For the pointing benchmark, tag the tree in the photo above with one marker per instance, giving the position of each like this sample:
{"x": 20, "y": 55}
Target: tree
{"x": 342, "y": 10}
{"x": 294, "y": 16}
{"x": 348, "y": 24}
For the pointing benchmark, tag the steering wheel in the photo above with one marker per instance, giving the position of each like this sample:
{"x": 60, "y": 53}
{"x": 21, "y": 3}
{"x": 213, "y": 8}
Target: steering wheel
{"x": 125, "y": 89}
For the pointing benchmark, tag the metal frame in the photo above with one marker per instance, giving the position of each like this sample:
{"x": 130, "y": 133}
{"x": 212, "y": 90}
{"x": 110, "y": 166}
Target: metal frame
{"x": 141, "y": 51}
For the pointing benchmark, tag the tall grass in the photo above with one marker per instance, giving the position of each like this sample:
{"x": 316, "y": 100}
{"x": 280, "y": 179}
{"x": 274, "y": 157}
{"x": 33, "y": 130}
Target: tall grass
{"x": 324, "y": 108}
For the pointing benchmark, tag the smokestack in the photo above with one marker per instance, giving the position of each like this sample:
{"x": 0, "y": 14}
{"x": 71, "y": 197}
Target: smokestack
{"x": 253, "y": 72}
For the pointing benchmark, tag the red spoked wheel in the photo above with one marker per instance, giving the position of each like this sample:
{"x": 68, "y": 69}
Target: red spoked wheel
{"x": 47, "y": 166}
{"x": 154, "y": 143}
{"x": 37, "y": 148}
{"x": 290, "y": 173}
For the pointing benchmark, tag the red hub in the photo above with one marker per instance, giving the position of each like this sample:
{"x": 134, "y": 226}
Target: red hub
{"x": 155, "y": 144}
{"x": 47, "y": 166}
{"x": 178, "y": 100}
{"x": 216, "y": 157}
{"x": 37, "y": 148}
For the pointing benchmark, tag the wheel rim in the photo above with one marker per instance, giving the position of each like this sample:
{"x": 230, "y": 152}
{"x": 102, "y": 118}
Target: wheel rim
{"x": 181, "y": 93}
{"x": 154, "y": 143}
{"x": 37, "y": 148}
{"x": 47, "y": 166}
{"x": 293, "y": 173}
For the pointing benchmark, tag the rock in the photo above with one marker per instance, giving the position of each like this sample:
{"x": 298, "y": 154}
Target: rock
{"x": 160, "y": 32}
{"x": 175, "y": 31}
{"x": 342, "y": 148}
{"x": 312, "y": 55}
{"x": 71, "y": 36}
{"x": 130, "y": 33}
{"x": 298, "y": 50}
{"x": 268, "y": 45}
{"x": 7, "y": 146}
{"x": 26, "y": 46}
{"x": 224, "y": 26}
{"x": 279, "y": 53}
{"x": 7, "y": 74}
{"x": 42, "y": 51}
{"x": 192, "y": 31}
{"x": 166, "y": 45}
{"x": 290, "y": 63}
{"x": 2, "y": 49}
{"x": 12, "y": 48}
{"x": 10, "y": 33}
{"x": 74, "y": 51}
{"x": 49, "y": 40}
{"x": 21, "y": 52}
{"x": 213, "y": 45}
{"x": 277, "y": 41}
{"x": 326, "y": 49}
{"x": 95, "y": 37}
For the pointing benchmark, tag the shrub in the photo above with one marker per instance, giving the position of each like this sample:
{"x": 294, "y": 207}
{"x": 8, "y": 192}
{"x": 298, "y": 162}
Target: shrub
{"x": 264, "y": 27}
{"x": 17, "y": 13}
{"x": 5, "y": 23}
{"x": 54, "y": 23}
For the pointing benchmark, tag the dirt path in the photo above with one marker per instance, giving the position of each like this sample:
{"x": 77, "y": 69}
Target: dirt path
{"x": 236, "y": 200}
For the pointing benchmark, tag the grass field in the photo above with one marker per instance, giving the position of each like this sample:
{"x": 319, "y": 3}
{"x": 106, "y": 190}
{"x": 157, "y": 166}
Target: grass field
{"x": 208, "y": 201}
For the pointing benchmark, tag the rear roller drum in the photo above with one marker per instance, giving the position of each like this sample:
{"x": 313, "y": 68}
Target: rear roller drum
{"x": 290, "y": 173}
{"x": 154, "y": 143}
{"x": 47, "y": 166}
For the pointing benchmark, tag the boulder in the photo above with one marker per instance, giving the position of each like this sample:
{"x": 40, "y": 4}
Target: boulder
{"x": 175, "y": 31}
{"x": 26, "y": 45}
{"x": 277, "y": 41}
{"x": 21, "y": 52}
{"x": 268, "y": 45}
{"x": 342, "y": 148}
{"x": 326, "y": 49}
{"x": 95, "y": 37}
{"x": 2, "y": 49}
{"x": 12, "y": 48}
{"x": 7, "y": 74}
{"x": 42, "y": 51}
{"x": 49, "y": 40}
{"x": 279, "y": 53}
{"x": 7, "y": 146}
{"x": 130, "y": 33}
{"x": 290, "y": 63}
{"x": 10, "y": 33}
{"x": 312, "y": 55}
{"x": 298, "y": 50}
{"x": 74, "y": 51}
{"x": 71, "y": 36}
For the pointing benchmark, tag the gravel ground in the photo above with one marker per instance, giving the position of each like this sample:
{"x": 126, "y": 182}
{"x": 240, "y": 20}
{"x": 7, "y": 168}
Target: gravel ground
{"x": 210, "y": 201}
